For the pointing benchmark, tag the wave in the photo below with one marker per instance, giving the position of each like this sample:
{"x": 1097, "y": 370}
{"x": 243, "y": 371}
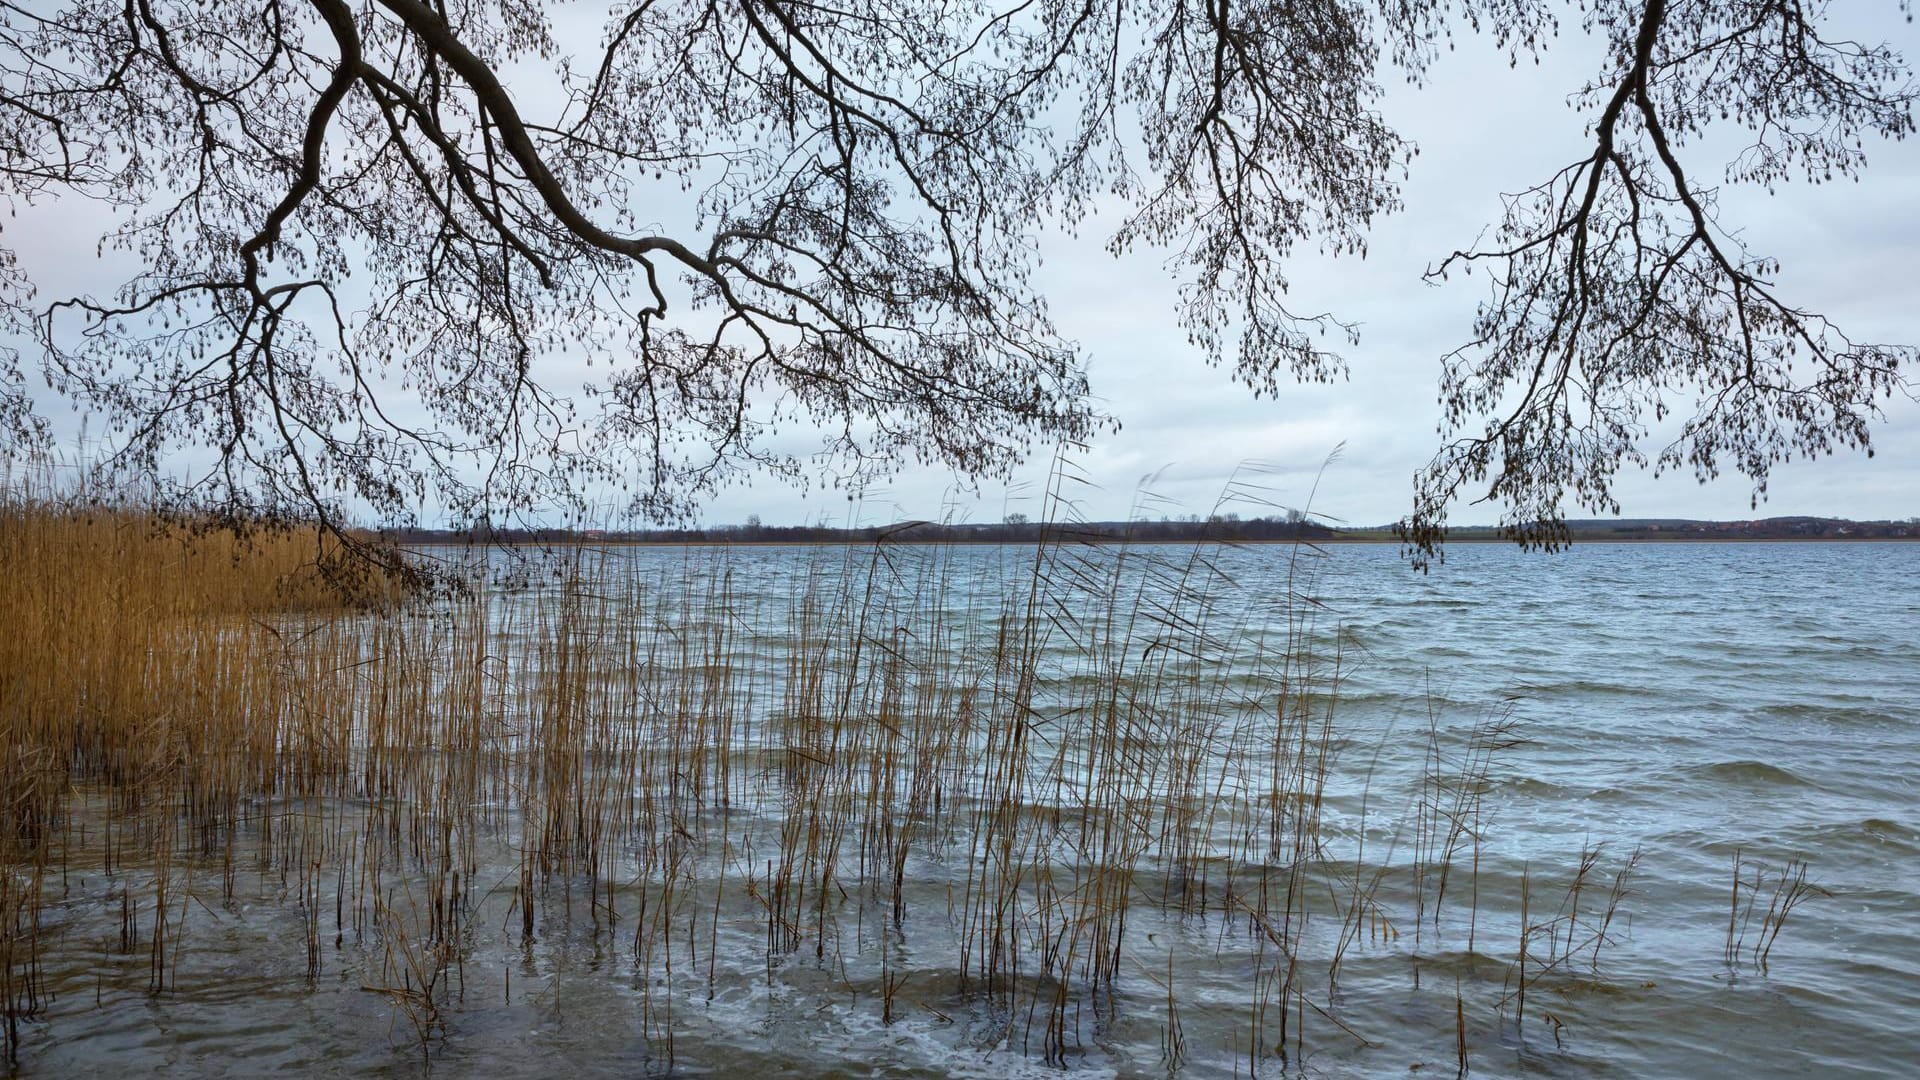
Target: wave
{"x": 1865, "y": 833}
{"x": 1745, "y": 772}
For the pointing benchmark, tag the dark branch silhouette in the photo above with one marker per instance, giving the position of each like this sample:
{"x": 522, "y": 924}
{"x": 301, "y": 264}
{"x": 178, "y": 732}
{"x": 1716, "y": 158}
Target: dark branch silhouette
{"x": 364, "y": 249}
{"x": 1615, "y": 288}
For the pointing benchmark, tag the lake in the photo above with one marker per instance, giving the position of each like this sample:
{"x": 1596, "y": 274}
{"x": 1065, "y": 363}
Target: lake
{"x": 1632, "y": 809}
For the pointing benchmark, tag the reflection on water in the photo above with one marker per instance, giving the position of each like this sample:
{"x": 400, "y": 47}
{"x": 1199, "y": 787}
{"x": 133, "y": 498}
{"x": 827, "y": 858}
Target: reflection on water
{"x": 955, "y": 812}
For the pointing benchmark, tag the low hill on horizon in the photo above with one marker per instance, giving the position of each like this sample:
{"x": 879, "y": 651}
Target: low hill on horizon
{"x": 1791, "y": 527}
{"x": 1220, "y": 528}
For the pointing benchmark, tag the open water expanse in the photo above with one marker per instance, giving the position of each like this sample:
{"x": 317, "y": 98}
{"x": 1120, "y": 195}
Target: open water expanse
{"x": 1737, "y": 714}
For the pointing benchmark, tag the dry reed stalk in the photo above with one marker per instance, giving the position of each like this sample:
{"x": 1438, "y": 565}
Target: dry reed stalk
{"x": 1786, "y": 888}
{"x": 1073, "y": 745}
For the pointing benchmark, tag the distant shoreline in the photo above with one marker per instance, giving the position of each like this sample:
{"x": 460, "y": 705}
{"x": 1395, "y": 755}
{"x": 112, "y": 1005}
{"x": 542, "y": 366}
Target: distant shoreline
{"x": 1226, "y": 529}
{"x": 450, "y": 542}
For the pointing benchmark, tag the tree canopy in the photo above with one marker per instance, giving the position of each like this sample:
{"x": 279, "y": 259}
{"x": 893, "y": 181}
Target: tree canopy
{"x": 364, "y": 247}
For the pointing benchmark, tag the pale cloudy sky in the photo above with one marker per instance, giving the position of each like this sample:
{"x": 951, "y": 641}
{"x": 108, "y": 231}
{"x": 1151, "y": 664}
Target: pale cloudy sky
{"x": 1847, "y": 251}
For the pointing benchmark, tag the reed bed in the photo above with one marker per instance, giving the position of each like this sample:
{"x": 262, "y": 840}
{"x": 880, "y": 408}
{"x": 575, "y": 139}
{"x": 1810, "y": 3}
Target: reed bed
{"x": 986, "y": 806}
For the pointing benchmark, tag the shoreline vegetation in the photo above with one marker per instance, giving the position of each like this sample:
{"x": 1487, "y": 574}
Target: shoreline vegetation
{"x": 1230, "y": 529}
{"x": 989, "y": 809}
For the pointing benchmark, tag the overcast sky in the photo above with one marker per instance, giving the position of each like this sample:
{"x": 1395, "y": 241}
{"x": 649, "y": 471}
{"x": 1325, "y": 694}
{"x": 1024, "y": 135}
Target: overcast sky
{"x": 1847, "y": 251}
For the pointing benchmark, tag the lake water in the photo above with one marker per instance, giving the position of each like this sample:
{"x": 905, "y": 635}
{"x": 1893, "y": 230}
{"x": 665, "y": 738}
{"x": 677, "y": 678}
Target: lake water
{"x": 1736, "y": 714}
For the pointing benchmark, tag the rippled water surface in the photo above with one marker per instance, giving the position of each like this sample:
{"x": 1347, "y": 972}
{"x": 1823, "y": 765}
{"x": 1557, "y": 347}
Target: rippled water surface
{"x": 1708, "y": 705}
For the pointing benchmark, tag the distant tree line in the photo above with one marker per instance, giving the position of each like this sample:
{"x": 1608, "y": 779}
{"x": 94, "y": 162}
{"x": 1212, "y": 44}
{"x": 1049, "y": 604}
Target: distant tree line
{"x": 1779, "y": 528}
{"x": 1015, "y": 529}
{"x": 1225, "y": 528}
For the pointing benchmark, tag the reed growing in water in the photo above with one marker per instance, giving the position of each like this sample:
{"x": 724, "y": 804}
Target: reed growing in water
{"x": 1015, "y": 776}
